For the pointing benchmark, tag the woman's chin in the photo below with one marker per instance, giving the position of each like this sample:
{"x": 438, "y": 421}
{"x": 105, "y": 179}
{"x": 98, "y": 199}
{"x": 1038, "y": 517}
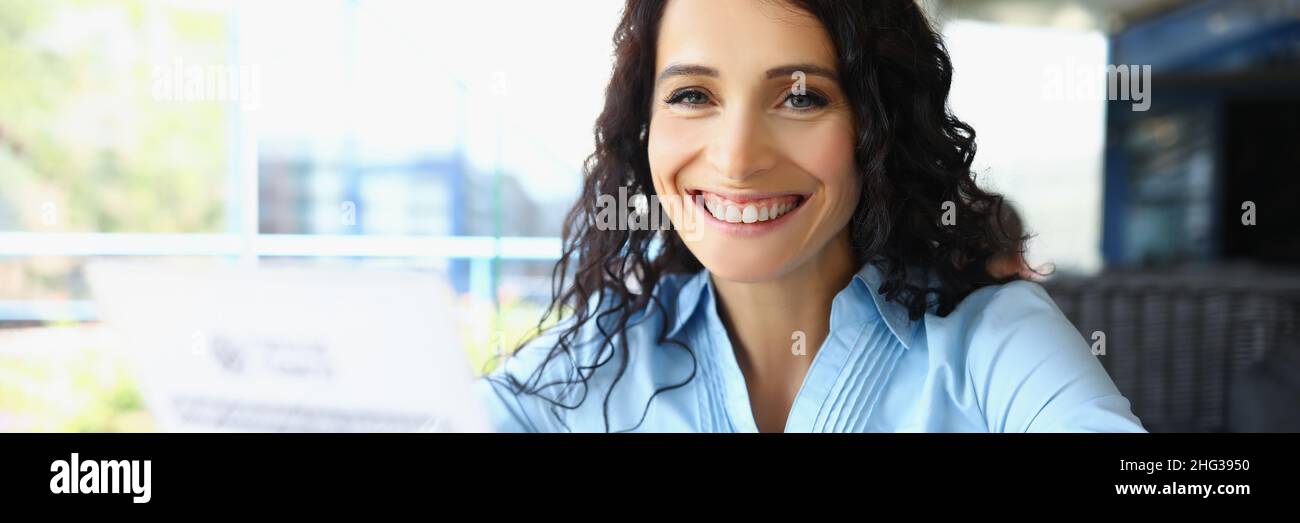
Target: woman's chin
{"x": 745, "y": 268}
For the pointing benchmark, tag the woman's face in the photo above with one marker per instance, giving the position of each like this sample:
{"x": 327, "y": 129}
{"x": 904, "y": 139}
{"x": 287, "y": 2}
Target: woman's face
{"x": 769, "y": 172}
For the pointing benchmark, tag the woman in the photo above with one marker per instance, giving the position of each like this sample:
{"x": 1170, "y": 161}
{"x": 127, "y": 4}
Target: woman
{"x": 827, "y": 268}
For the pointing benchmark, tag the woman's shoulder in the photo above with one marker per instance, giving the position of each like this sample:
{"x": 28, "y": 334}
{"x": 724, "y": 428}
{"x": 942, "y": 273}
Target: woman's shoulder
{"x": 1009, "y": 302}
{"x": 1029, "y": 367}
{"x": 1016, "y": 318}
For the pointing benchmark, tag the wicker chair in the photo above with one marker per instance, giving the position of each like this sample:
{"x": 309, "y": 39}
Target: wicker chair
{"x": 1202, "y": 350}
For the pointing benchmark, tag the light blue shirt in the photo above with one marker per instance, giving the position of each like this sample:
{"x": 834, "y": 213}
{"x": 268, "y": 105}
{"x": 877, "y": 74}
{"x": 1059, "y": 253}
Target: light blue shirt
{"x": 1005, "y": 360}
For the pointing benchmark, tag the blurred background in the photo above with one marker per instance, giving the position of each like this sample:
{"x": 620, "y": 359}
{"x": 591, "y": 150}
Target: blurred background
{"x": 449, "y": 137}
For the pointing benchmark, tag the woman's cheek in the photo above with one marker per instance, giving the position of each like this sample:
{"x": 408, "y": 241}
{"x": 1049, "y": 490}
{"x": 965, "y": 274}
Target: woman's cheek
{"x": 826, "y": 153}
{"x": 669, "y": 150}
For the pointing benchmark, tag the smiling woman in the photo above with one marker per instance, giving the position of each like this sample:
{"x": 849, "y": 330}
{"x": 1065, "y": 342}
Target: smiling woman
{"x": 827, "y": 289}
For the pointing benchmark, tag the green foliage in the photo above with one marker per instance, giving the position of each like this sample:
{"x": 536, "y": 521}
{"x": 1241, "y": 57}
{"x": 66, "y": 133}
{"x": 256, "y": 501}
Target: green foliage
{"x": 78, "y": 388}
{"x": 80, "y": 129}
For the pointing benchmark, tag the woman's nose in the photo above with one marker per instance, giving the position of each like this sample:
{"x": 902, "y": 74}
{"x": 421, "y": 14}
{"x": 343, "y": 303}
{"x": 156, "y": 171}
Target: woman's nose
{"x": 742, "y": 145}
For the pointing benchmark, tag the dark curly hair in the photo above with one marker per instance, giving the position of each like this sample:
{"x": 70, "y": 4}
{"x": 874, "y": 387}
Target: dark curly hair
{"x": 912, "y": 156}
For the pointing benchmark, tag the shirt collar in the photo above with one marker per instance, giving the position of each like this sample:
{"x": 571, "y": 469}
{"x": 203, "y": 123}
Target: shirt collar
{"x": 868, "y": 280}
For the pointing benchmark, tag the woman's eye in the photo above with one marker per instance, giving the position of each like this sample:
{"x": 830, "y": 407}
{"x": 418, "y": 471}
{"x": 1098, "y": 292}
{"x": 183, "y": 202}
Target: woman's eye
{"x": 688, "y": 97}
{"x": 805, "y": 102}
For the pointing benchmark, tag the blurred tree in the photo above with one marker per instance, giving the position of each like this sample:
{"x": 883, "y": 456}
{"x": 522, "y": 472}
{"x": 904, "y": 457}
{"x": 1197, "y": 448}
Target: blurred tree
{"x": 84, "y": 146}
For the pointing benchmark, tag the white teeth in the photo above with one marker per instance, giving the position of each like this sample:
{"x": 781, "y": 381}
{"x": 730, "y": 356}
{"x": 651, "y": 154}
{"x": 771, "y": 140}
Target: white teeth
{"x": 724, "y": 211}
{"x": 713, "y": 208}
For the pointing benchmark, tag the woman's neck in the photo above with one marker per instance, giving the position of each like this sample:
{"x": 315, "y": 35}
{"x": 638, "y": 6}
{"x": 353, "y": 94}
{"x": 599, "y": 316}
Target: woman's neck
{"x": 764, "y": 319}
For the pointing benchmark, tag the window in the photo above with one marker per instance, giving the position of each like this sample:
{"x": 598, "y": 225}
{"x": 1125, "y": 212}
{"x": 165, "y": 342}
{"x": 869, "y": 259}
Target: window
{"x": 200, "y": 129}
{"x": 428, "y": 135}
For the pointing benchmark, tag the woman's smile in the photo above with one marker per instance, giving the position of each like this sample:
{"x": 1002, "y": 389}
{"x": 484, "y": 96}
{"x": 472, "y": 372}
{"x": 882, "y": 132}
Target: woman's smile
{"x": 746, "y": 213}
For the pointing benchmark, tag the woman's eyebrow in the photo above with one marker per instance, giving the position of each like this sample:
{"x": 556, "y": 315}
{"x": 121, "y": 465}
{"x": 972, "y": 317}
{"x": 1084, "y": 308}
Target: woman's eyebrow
{"x": 685, "y": 70}
{"x": 786, "y": 71}
{"x": 783, "y": 71}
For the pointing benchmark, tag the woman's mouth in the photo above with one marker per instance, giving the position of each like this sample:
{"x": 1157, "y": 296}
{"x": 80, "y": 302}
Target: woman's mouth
{"x": 739, "y": 212}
